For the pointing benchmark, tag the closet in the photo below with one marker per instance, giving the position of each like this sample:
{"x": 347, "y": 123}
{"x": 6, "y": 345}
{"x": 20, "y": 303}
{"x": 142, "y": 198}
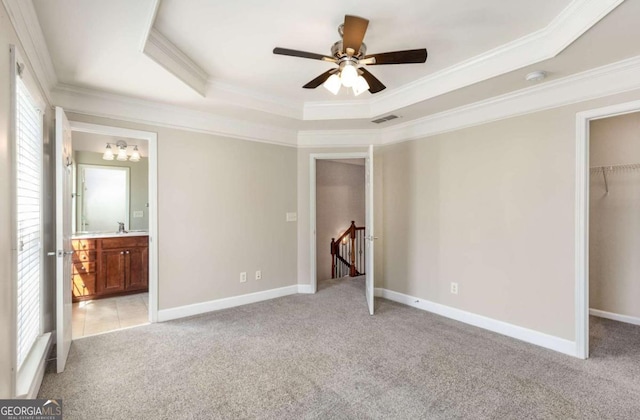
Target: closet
{"x": 614, "y": 218}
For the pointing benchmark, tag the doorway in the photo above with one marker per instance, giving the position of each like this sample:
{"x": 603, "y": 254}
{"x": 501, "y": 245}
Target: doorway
{"x": 114, "y": 246}
{"x": 368, "y": 237}
{"x": 340, "y": 219}
{"x": 607, "y": 177}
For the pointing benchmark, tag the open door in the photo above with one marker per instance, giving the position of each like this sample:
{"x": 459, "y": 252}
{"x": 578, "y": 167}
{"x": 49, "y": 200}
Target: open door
{"x": 369, "y": 226}
{"x": 64, "y": 179}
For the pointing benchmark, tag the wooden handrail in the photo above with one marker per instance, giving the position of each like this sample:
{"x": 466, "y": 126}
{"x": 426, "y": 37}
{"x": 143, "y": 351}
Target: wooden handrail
{"x": 348, "y": 235}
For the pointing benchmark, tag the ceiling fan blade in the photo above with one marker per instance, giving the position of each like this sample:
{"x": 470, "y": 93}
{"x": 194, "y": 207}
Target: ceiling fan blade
{"x": 375, "y": 85}
{"x": 353, "y": 32}
{"x": 320, "y": 79}
{"x": 303, "y": 54}
{"x": 399, "y": 57}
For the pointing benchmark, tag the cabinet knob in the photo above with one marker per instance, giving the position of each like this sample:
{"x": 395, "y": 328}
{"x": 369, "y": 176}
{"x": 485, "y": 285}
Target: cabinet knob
{"x": 121, "y": 252}
{"x": 127, "y": 252}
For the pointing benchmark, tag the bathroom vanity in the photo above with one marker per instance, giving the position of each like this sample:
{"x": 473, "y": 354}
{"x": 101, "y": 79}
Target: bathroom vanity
{"x": 106, "y": 265}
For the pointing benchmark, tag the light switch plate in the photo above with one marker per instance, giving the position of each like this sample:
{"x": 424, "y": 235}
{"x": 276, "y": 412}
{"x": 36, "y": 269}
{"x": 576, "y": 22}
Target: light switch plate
{"x": 292, "y": 217}
{"x": 138, "y": 213}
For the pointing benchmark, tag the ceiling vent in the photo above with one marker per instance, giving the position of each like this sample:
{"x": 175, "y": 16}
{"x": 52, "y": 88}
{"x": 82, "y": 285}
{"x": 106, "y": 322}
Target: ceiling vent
{"x": 385, "y": 119}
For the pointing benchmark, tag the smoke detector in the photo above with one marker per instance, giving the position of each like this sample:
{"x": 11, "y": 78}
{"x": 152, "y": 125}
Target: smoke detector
{"x": 535, "y": 76}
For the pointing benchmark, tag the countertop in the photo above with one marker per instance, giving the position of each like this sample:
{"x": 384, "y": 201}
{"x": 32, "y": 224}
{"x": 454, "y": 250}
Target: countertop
{"x": 96, "y": 235}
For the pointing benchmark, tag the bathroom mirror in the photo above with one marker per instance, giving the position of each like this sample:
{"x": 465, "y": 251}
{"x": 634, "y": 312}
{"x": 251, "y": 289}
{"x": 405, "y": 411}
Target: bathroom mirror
{"x": 103, "y": 198}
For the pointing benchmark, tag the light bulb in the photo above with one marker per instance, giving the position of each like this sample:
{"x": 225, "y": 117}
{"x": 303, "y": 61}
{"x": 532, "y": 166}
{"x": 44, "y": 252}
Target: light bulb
{"x": 108, "y": 153}
{"x": 349, "y": 75}
{"x": 332, "y": 84}
{"x": 135, "y": 156}
{"x": 122, "y": 154}
{"x": 360, "y": 86}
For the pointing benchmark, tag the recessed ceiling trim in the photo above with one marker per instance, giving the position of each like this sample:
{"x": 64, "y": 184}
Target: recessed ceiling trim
{"x": 578, "y": 17}
{"x": 101, "y": 104}
{"x": 611, "y": 79}
{"x": 250, "y": 99}
{"x": 25, "y": 21}
{"x": 165, "y": 53}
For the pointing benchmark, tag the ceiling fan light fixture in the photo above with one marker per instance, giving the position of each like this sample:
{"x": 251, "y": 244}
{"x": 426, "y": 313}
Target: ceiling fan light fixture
{"x": 360, "y": 86}
{"x": 348, "y": 75}
{"x": 108, "y": 153}
{"x": 332, "y": 84}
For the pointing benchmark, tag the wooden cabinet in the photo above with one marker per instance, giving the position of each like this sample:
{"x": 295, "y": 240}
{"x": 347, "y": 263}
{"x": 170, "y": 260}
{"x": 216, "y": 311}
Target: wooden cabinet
{"x": 107, "y": 267}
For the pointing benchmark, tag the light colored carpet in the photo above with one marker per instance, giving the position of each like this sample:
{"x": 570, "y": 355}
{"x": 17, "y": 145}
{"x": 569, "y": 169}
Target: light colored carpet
{"x": 323, "y": 357}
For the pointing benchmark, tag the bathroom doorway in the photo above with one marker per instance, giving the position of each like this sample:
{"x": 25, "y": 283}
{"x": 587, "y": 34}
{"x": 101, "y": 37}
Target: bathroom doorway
{"x": 113, "y": 211}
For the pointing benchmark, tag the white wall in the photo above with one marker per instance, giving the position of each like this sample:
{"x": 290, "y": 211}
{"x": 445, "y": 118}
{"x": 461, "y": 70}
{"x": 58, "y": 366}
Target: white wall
{"x": 614, "y": 218}
{"x": 339, "y": 200}
{"x": 222, "y": 207}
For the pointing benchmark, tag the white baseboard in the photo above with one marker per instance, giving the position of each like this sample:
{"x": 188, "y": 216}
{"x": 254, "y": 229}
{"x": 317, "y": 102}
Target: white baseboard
{"x": 616, "y": 317}
{"x": 524, "y": 334}
{"x": 230, "y": 302}
{"x": 305, "y": 289}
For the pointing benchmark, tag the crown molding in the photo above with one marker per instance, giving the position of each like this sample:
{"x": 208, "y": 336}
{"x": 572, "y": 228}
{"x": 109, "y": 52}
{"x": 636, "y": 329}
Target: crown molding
{"x": 165, "y": 53}
{"x": 108, "y": 105}
{"x": 339, "y": 138}
{"x": 578, "y": 17}
{"x": 604, "y": 81}
{"x": 25, "y": 21}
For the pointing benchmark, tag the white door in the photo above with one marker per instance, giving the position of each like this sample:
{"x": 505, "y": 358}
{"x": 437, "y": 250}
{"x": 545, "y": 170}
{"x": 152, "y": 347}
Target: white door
{"x": 370, "y": 230}
{"x": 63, "y": 237}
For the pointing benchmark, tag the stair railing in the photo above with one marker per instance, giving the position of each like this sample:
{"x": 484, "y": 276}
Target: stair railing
{"x": 348, "y": 253}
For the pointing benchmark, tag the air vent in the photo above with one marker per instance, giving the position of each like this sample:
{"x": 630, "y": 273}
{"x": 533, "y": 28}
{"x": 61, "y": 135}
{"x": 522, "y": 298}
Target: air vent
{"x": 385, "y": 119}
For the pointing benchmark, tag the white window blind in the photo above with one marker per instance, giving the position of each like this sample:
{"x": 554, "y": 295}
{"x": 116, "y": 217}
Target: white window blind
{"x": 29, "y": 218}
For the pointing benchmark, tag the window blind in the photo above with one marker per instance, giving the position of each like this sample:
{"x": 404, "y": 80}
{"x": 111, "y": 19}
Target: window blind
{"x": 29, "y": 155}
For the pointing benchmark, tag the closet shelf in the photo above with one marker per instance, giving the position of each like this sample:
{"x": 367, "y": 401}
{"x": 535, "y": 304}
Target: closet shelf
{"x": 613, "y": 168}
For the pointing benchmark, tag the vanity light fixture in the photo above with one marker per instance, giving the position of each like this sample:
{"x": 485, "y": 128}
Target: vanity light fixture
{"x": 135, "y": 156}
{"x": 122, "y": 152}
{"x": 108, "y": 153}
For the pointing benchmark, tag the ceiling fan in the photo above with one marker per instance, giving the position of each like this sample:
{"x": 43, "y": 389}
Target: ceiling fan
{"x": 350, "y": 54}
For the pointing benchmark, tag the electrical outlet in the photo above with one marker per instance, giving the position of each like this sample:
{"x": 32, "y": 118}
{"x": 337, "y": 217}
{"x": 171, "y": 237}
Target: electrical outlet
{"x": 258, "y": 275}
{"x": 243, "y": 277}
{"x": 137, "y": 214}
{"x": 292, "y": 217}
{"x": 454, "y": 288}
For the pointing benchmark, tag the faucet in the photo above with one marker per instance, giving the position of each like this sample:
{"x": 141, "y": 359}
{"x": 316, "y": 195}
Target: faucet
{"x": 121, "y": 227}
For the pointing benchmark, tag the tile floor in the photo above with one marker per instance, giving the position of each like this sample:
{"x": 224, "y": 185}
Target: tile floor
{"x": 102, "y": 315}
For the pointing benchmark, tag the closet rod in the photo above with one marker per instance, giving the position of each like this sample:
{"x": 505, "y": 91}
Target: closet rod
{"x": 613, "y": 168}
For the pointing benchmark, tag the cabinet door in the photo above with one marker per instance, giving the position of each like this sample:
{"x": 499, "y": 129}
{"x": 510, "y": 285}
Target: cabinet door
{"x": 113, "y": 271}
{"x": 138, "y": 276}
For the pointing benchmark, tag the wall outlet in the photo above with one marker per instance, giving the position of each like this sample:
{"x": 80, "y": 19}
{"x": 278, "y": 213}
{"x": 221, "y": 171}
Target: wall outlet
{"x": 138, "y": 214}
{"x": 243, "y": 277}
{"x": 454, "y": 288}
{"x": 292, "y": 217}
{"x": 258, "y": 275}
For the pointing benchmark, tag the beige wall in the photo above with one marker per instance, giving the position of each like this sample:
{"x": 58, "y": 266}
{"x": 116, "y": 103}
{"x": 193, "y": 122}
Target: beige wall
{"x": 339, "y": 200}
{"x": 138, "y": 185}
{"x": 222, "y": 207}
{"x": 491, "y": 208}
{"x": 614, "y": 218}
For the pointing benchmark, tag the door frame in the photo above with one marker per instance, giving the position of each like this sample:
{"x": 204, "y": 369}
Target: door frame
{"x": 152, "y": 138}
{"x": 582, "y": 217}
{"x": 313, "y": 158}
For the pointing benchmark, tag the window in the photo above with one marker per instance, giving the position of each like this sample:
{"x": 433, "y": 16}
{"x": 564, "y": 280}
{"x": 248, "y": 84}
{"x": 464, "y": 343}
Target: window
{"x": 28, "y": 202}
